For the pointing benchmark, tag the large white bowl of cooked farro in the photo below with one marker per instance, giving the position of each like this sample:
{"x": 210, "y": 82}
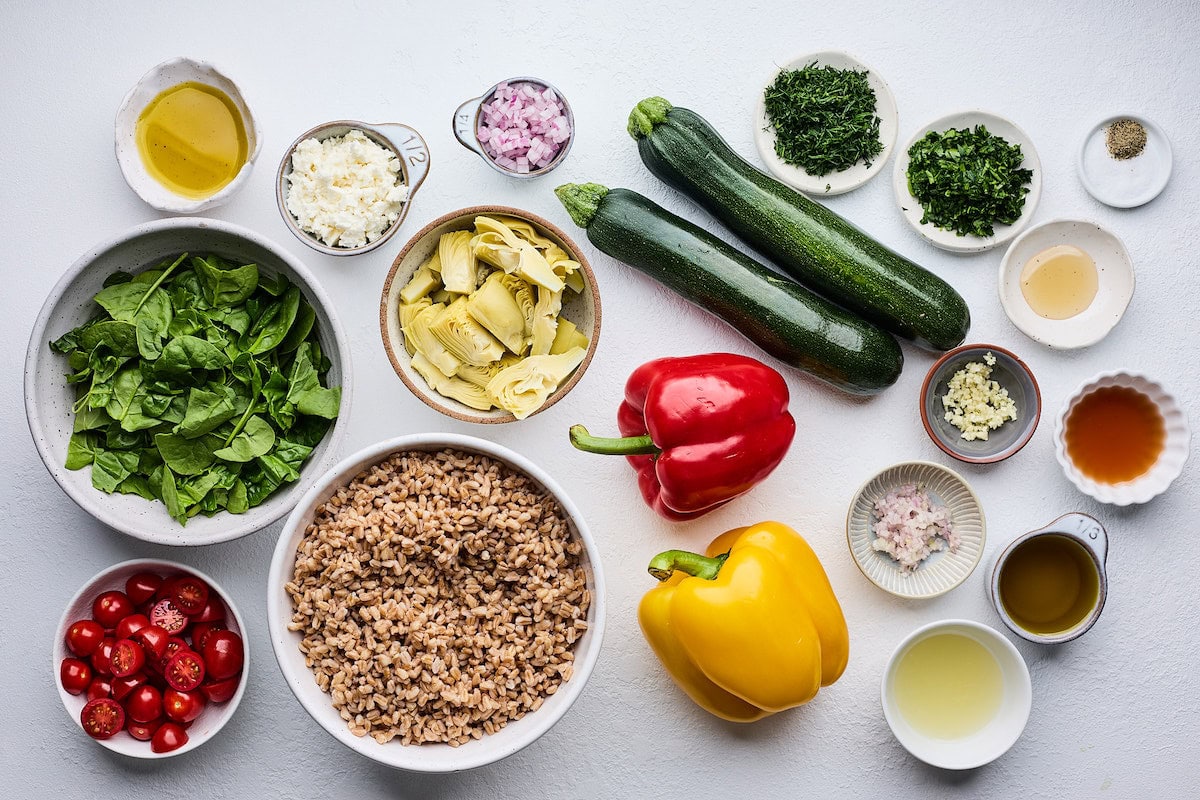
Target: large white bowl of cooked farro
{"x": 436, "y": 602}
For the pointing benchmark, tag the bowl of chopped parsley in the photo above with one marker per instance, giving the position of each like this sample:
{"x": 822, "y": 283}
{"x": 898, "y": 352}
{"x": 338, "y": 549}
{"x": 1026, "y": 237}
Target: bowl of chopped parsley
{"x": 825, "y": 123}
{"x": 968, "y": 182}
{"x": 185, "y": 380}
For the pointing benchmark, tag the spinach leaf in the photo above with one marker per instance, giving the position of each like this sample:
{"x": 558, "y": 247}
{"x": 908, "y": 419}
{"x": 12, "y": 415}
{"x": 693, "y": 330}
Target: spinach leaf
{"x": 274, "y": 285}
{"x": 254, "y": 440}
{"x": 111, "y": 467}
{"x": 277, "y": 469}
{"x": 320, "y": 402}
{"x": 170, "y": 496}
{"x": 291, "y": 453}
{"x": 206, "y": 409}
{"x": 237, "y": 502}
{"x": 222, "y": 283}
{"x": 305, "y": 319}
{"x": 139, "y": 485}
{"x": 125, "y": 390}
{"x": 272, "y": 325}
{"x": 186, "y": 322}
{"x": 87, "y": 419}
{"x": 119, "y": 337}
{"x": 81, "y": 450}
{"x": 183, "y": 354}
{"x": 183, "y": 455}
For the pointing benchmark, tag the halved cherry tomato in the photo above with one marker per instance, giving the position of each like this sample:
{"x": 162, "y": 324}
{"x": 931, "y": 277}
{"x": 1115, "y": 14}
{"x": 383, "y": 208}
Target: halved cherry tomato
{"x": 144, "y": 704}
{"x": 174, "y": 645}
{"x": 100, "y": 658}
{"x": 213, "y": 611}
{"x": 168, "y": 616}
{"x": 75, "y": 675}
{"x": 102, "y": 718}
{"x": 200, "y": 632}
{"x": 127, "y": 657}
{"x": 182, "y": 706}
{"x": 220, "y": 691}
{"x": 143, "y": 731}
{"x": 122, "y": 687}
{"x": 142, "y": 586}
{"x": 84, "y": 636}
{"x": 130, "y": 625}
{"x": 223, "y": 654}
{"x": 99, "y": 687}
{"x": 185, "y": 671}
{"x": 170, "y": 736}
{"x": 189, "y": 593}
{"x": 110, "y": 607}
{"x": 153, "y": 640}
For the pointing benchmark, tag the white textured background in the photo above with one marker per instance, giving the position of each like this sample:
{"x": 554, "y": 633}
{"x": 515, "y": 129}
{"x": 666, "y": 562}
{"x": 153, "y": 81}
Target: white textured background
{"x": 1116, "y": 714}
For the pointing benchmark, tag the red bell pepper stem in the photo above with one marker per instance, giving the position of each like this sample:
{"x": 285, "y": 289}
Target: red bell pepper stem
{"x": 611, "y": 446}
{"x": 694, "y": 564}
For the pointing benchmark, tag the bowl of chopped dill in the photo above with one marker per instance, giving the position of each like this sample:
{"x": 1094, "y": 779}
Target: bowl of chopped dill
{"x": 968, "y": 182}
{"x": 825, "y": 123}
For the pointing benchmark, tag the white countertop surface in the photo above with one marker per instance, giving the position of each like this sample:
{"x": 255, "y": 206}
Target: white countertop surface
{"x": 1115, "y": 714}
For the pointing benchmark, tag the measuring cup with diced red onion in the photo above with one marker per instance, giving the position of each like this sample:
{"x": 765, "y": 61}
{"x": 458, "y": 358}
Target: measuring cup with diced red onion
{"x": 522, "y": 127}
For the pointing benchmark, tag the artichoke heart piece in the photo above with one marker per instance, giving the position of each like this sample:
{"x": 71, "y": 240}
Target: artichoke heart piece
{"x": 494, "y": 307}
{"x": 567, "y": 337}
{"x": 534, "y": 268}
{"x": 419, "y": 334}
{"x": 458, "y": 262}
{"x": 465, "y": 339}
{"x": 455, "y": 388}
{"x": 531, "y": 264}
{"x": 423, "y": 282}
{"x": 545, "y": 321}
{"x": 523, "y": 388}
{"x": 526, "y": 231}
{"x": 480, "y": 376}
{"x": 408, "y": 312}
{"x": 490, "y": 248}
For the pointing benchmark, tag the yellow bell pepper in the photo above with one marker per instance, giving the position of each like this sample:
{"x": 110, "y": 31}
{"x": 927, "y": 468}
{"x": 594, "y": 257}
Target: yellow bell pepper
{"x": 750, "y": 628}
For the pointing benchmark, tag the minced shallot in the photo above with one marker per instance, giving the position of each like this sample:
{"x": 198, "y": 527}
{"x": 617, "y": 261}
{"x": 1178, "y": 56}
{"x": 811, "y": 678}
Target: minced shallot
{"x": 522, "y": 127}
{"x": 910, "y": 526}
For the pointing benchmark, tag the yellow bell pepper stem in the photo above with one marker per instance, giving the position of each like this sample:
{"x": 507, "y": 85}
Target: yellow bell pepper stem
{"x": 666, "y": 563}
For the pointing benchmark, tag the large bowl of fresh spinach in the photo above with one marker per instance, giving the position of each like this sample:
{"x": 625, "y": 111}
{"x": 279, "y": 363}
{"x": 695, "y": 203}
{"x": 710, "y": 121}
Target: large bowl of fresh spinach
{"x": 186, "y": 381}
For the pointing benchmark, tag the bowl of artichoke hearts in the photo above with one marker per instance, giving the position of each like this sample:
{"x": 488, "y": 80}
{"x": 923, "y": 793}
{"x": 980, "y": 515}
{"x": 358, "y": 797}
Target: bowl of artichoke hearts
{"x": 490, "y": 314}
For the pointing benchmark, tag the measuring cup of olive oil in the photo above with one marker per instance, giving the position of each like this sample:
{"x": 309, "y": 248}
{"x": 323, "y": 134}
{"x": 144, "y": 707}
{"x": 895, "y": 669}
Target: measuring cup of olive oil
{"x": 1049, "y": 585}
{"x": 185, "y": 138}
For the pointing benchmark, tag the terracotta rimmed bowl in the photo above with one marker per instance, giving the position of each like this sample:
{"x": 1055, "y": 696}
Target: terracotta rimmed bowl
{"x": 214, "y": 716}
{"x": 942, "y": 570}
{"x": 583, "y": 308}
{"x": 1012, "y": 374}
{"x": 49, "y": 398}
{"x": 429, "y": 757}
{"x": 1164, "y": 471}
{"x": 403, "y": 141}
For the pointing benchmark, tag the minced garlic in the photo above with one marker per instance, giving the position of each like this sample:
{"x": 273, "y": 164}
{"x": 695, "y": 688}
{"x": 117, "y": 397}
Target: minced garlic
{"x": 976, "y": 404}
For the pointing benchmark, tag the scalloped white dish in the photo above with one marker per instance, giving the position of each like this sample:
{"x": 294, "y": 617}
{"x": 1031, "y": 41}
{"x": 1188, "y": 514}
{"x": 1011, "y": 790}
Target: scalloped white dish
{"x": 1165, "y": 470}
{"x": 1114, "y": 268}
{"x": 834, "y": 182}
{"x": 1129, "y": 183}
{"x": 942, "y": 570}
{"x": 949, "y": 240}
{"x": 158, "y": 79}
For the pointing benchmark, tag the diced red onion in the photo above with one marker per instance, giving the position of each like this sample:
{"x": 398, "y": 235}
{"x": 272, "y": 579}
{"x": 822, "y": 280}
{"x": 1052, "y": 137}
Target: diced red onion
{"x": 523, "y": 127}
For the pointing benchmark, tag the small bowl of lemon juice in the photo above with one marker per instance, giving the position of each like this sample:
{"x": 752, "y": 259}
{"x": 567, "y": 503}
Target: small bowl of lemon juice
{"x": 956, "y": 694}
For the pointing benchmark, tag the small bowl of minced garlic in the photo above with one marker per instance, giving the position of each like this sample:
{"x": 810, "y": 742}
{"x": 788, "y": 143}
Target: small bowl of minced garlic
{"x": 980, "y": 403}
{"x": 490, "y": 314}
{"x": 345, "y": 187}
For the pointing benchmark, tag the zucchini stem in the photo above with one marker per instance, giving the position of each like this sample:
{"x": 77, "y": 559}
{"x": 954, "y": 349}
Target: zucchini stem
{"x": 645, "y": 115}
{"x": 581, "y": 200}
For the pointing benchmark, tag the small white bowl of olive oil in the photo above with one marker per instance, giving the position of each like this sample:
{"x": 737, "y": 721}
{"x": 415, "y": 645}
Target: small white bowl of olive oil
{"x": 956, "y": 694}
{"x": 1066, "y": 283}
{"x": 185, "y": 138}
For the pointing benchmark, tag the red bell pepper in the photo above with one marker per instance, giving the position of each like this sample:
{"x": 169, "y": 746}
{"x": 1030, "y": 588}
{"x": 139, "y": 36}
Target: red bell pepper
{"x": 699, "y": 430}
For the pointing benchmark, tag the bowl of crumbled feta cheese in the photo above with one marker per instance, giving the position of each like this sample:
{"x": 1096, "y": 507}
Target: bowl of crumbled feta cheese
{"x": 980, "y": 403}
{"x": 344, "y": 187}
{"x": 916, "y": 529}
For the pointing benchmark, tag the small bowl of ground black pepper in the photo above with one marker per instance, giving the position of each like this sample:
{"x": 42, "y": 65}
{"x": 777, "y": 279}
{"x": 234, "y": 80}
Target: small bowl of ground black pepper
{"x": 825, "y": 123}
{"x": 1125, "y": 161}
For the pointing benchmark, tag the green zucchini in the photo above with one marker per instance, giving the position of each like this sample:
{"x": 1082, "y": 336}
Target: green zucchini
{"x": 806, "y": 240}
{"x": 786, "y": 320}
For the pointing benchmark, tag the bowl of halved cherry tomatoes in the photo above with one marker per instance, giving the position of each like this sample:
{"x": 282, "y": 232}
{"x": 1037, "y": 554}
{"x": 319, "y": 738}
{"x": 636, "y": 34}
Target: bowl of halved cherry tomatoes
{"x": 150, "y": 658}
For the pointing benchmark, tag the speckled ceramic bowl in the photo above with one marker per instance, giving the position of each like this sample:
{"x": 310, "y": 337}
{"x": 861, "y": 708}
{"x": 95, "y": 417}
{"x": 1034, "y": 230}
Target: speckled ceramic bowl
{"x": 1012, "y": 374}
{"x": 942, "y": 570}
{"x": 583, "y": 308}
{"x": 430, "y": 758}
{"x": 403, "y": 141}
{"x": 49, "y": 398}
{"x": 1165, "y": 470}
{"x": 214, "y": 716}
{"x": 162, "y": 77}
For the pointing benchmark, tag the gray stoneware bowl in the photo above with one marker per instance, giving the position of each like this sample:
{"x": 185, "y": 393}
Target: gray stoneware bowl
{"x": 49, "y": 398}
{"x": 431, "y": 758}
{"x": 1011, "y": 373}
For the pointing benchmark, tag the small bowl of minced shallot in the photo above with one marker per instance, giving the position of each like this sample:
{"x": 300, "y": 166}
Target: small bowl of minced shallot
{"x": 345, "y": 187}
{"x": 521, "y": 127}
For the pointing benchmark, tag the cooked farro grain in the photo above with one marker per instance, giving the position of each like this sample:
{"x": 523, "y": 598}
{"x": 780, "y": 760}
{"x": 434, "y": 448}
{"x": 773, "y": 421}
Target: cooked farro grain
{"x": 439, "y": 596}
